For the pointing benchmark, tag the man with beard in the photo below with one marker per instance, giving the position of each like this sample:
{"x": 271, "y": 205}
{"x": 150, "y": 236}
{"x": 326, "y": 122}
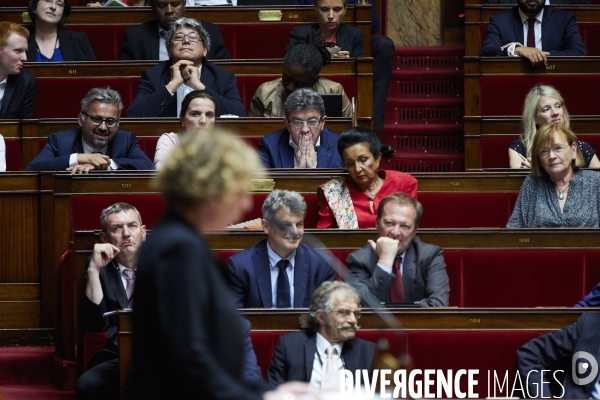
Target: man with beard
{"x": 97, "y": 144}
{"x": 533, "y": 31}
{"x": 280, "y": 271}
{"x": 398, "y": 267}
{"x": 147, "y": 41}
{"x": 317, "y": 355}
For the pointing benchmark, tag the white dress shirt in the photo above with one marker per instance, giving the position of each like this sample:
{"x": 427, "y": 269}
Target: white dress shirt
{"x": 89, "y": 150}
{"x": 321, "y": 356}
{"x": 2, "y": 89}
{"x": 273, "y": 260}
{"x": 2, "y": 154}
{"x": 538, "y": 32}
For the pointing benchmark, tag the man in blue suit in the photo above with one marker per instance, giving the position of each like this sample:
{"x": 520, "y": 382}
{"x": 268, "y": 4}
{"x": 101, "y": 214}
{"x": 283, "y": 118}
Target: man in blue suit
{"x": 163, "y": 87}
{"x": 555, "y": 33}
{"x": 97, "y": 144}
{"x": 305, "y": 142}
{"x": 280, "y": 271}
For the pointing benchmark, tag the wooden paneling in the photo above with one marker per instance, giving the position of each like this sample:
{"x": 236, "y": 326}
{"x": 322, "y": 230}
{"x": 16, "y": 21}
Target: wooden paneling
{"x": 19, "y": 291}
{"x": 19, "y": 314}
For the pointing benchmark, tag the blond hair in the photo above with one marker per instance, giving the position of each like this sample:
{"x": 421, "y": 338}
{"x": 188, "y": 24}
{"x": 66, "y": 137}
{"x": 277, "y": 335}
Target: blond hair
{"x": 545, "y": 137}
{"x": 207, "y": 165}
{"x": 530, "y": 109}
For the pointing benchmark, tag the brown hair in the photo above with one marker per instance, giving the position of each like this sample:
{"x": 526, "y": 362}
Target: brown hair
{"x": 545, "y": 136}
{"x": 7, "y": 29}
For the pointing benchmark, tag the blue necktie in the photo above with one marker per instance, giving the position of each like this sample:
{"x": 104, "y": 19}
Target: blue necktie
{"x": 283, "y": 285}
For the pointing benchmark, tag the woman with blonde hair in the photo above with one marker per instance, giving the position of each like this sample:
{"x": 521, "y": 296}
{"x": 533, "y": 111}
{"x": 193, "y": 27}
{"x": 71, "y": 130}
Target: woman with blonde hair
{"x": 557, "y": 194}
{"x": 544, "y": 105}
{"x": 188, "y": 335}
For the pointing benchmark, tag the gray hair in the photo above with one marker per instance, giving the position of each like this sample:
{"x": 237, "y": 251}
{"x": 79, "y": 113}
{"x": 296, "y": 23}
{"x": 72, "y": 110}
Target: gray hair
{"x": 102, "y": 95}
{"x": 304, "y": 99}
{"x": 190, "y": 23}
{"x": 293, "y": 201}
{"x": 115, "y": 209}
{"x": 322, "y": 299}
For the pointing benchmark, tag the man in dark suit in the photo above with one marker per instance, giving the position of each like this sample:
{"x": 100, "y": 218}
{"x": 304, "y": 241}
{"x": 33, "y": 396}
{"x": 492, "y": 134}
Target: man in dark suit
{"x": 319, "y": 354}
{"x": 398, "y": 267}
{"x": 109, "y": 282}
{"x": 305, "y": 142}
{"x": 145, "y": 41}
{"x": 17, "y": 87}
{"x": 551, "y": 32}
{"x": 280, "y": 271}
{"x": 97, "y": 144}
{"x": 163, "y": 87}
{"x": 537, "y": 359}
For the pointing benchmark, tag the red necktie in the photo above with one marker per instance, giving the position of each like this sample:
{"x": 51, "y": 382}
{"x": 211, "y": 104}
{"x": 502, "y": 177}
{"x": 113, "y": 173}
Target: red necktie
{"x": 531, "y": 33}
{"x": 397, "y": 289}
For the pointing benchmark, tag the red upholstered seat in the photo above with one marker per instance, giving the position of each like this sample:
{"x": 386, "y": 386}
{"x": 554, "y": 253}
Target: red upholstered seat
{"x": 522, "y": 278}
{"x": 592, "y": 270}
{"x": 247, "y": 44}
{"x": 13, "y": 154}
{"x": 67, "y": 293}
{"x": 106, "y": 40}
{"x": 465, "y": 210}
{"x": 93, "y": 342}
{"x": 453, "y": 260}
{"x": 494, "y": 151}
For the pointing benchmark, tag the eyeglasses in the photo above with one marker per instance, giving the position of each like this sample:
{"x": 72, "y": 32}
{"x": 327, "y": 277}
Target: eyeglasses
{"x": 346, "y": 313}
{"x": 58, "y": 3}
{"x": 97, "y": 120}
{"x": 299, "y": 123}
{"x": 192, "y": 37}
{"x": 546, "y": 152}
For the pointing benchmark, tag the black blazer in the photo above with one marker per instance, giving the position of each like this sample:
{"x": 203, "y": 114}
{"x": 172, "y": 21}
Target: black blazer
{"x": 189, "y": 338}
{"x": 142, "y": 41}
{"x": 560, "y": 35}
{"x": 295, "y": 353}
{"x": 19, "y": 96}
{"x": 152, "y": 99}
{"x": 75, "y": 46}
{"x": 349, "y": 38}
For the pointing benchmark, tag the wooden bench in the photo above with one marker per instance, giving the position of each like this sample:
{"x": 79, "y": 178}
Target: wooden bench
{"x": 242, "y": 27}
{"x": 354, "y": 74}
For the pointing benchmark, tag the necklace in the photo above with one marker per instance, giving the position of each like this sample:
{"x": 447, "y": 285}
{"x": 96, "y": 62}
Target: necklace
{"x": 561, "y": 195}
{"x": 44, "y": 58}
{"x": 371, "y": 197}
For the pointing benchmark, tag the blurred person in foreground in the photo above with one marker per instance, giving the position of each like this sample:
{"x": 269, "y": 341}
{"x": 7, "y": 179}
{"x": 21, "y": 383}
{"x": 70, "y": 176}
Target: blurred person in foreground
{"x": 188, "y": 335}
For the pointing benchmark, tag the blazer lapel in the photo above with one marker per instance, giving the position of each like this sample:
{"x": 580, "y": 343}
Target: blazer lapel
{"x": 409, "y": 269}
{"x": 262, "y": 271}
{"x": 324, "y": 152}
{"x": 67, "y": 47}
{"x": 9, "y": 89}
{"x": 300, "y": 277}
{"x": 287, "y": 158}
{"x": 518, "y": 26}
{"x": 116, "y": 283}
{"x": 309, "y": 355}
{"x": 77, "y": 144}
{"x": 349, "y": 357}
{"x": 153, "y": 40}
{"x": 546, "y": 27}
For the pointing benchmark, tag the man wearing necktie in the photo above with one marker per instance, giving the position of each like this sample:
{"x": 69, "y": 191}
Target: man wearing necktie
{"x": 398, "y": 267}
{"x": 573, "y": 349}
{"x": 533, "y": 31}
{"x": 109, "y": 284}
{"x": 317, "y": 355}
{"x": 279, "y": 271}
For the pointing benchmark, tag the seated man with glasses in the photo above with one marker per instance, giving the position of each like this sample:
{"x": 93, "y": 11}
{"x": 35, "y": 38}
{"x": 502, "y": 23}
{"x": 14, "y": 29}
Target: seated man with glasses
{"x": 304, "y": 142}
{"x": 318, "y": 354}
{"x": 97, "y": 144}
{"x": 164, "y": 86}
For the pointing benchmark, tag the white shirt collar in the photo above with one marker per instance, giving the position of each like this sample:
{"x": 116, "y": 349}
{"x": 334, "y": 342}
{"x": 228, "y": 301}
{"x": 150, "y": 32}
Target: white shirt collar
{"x": 323, "y": 344}
{"x": 524, "y": 17}
{"x": 87, "y": 149}
{"x": 274, "y": 258}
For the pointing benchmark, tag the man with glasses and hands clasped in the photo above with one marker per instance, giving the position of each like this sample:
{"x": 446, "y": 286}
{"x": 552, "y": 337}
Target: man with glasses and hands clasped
{"x": 97, "y": 144}
{"x": 304, "y": 142}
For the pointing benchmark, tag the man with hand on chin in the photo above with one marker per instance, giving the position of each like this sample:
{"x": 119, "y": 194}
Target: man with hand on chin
{"x": 305, "y": 142}
{"x": 163, "y": 87}
{"x": 97, "y": 144}
{"x": 398, "y": 267}
{"x": 533, "y": 31}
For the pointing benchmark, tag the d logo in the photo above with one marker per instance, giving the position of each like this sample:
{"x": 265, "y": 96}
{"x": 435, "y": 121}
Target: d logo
{"x": 582, "y": 367}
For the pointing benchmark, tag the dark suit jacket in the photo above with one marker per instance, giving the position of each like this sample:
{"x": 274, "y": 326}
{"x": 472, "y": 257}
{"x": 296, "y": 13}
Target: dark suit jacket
{"x": 123, "y": 148}
{"x": 423, "y": 275}
{"x": 19, "y": 96}
{"x": 558, "y": 348}
{"x": 275, "y": 151}
{"x": 592, "y": 299}
{"x": 295, "y": 354}
{"x": 193, "y": 333}
{"x": 74, "y": 46}
{"x": 348, "y": 38}
{"x": 114, "y": 298}
{"x": 560, "y": 36}
{"x": 250, "y": 276}
{"x": 142, "y": 41}
{"x": 152, "y": 99}
{"x": 552, "y": 2}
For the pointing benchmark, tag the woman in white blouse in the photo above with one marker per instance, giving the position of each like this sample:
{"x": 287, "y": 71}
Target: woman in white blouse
{"x": 198, "y": 110}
